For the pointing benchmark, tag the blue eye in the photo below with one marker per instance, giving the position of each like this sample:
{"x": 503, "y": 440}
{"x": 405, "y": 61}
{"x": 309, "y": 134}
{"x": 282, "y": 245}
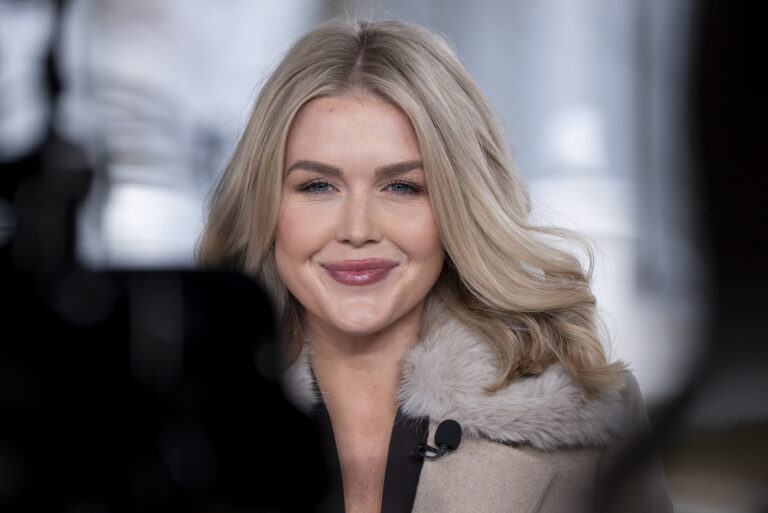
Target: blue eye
{"x": 315, "y": 186}
{"x": 404, "y": 187}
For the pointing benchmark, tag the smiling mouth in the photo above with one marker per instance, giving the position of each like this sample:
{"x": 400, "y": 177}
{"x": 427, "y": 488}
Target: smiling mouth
{"x": 359, "y": 272}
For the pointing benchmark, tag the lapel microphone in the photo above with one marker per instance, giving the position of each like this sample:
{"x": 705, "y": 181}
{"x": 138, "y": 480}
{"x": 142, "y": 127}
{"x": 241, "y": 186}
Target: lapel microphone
{"x": 447, "y": 438}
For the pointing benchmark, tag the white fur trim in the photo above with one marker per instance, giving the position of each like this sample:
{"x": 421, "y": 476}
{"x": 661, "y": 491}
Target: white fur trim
{"x": 298, "y": 383}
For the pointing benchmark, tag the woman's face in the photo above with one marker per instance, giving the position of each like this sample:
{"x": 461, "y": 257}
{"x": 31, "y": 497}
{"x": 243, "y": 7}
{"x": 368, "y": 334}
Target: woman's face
{"x": 356, "y": 240}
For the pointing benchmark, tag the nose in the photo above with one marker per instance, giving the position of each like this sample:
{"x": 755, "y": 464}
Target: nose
{"x": 358, "y": 223}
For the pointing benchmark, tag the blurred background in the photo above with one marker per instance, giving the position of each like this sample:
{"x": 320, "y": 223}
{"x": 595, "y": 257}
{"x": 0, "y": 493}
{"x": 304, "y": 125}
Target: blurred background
{"x": 626, "y": 117}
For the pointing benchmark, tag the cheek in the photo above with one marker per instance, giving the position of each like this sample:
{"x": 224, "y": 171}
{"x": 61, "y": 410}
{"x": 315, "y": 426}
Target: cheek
{"x": 292, "y": 229}
{"x": 287, "y": 233}
{"x": 291, "y": 250}
{"x": 419, "y": 237}
{"x": 301, "y": 232}
{"x": 426, "y": 256}
{"x": 290, "y": 242}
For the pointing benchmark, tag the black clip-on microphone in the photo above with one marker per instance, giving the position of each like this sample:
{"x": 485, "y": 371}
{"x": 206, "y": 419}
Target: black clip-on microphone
{"x": 447, "y": 438}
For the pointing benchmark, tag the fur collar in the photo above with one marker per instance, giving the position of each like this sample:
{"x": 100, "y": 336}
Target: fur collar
{"x": 444, "y": 376}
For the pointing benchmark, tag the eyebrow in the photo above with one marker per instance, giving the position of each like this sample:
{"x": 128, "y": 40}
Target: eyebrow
{"x": 382, "y": 172}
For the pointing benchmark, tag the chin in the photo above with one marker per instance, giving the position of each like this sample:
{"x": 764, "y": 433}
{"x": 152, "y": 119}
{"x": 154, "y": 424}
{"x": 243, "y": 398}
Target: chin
{"x": 362, "y": 323}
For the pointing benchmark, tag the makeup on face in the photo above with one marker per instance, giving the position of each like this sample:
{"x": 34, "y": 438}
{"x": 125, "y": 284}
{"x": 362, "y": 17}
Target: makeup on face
{"x": 359, "y": 272}
{"x": 356, "y": 243}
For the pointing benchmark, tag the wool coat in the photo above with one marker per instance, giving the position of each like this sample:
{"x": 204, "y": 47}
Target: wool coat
{"x": 537, "y": 445}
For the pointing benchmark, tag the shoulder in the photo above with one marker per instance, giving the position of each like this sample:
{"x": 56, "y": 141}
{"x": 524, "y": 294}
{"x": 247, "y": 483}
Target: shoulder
{"x": 536, "y": 457}
{"x": 540, "y": 444}
{"x": 445, "y": 375}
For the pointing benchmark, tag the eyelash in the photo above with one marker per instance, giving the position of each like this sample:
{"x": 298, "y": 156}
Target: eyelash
{"x": 307, "y": 185}
{"x": 413, "y": 188}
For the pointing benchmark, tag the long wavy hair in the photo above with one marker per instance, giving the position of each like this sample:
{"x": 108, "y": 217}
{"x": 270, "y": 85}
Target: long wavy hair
{"x": 507, "y": 279}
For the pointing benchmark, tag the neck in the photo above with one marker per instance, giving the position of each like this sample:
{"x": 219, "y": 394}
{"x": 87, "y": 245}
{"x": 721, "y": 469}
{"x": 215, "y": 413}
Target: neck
{"x": 359, "y": 377}
{"x": 361, "y": 367}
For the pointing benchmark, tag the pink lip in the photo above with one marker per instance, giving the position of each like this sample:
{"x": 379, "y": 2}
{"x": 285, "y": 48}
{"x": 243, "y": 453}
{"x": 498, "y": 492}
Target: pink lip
{"x": 359, "y": 272}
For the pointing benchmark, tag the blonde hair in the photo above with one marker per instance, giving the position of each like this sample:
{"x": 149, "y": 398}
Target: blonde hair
{"x": 530, "y": 301}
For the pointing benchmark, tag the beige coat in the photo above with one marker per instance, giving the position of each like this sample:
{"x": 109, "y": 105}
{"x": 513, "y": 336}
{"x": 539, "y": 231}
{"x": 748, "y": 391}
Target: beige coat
{"x": 538, "y": 445}
{"x": 492, "y": 477}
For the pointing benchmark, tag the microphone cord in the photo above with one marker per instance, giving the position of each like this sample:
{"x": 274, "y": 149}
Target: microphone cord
{"x": 423, "y": 450}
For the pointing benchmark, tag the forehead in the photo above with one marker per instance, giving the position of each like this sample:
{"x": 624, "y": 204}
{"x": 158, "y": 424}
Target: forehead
{"x": 351, "y": 126}
{"x": 353, "y": 133}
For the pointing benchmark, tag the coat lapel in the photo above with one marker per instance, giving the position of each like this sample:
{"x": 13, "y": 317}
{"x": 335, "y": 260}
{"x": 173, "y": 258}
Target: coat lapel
{"x": 482, "y": 475}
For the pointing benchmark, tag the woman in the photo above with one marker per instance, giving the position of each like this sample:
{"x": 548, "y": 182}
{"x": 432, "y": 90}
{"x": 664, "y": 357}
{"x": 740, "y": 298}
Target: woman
{"x": 374, "y": 196}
